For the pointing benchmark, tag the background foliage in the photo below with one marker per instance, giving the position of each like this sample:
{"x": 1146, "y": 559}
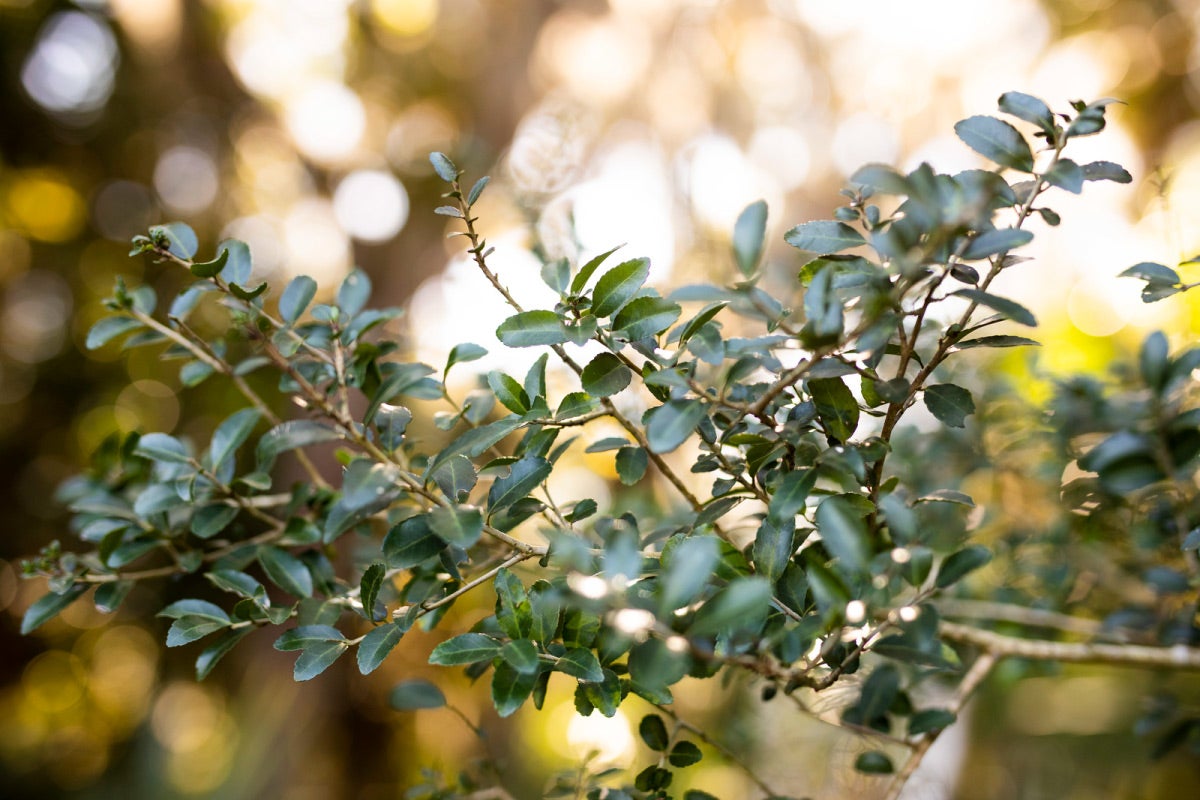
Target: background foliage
{"x": 80, "y": 176}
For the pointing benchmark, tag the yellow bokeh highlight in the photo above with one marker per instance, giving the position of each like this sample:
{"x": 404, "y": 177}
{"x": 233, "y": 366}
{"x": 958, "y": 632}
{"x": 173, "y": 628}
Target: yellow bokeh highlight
{"x": 55, "y": 681}
{"x": 43, "y": 204}
{"x": 405, "y": 17}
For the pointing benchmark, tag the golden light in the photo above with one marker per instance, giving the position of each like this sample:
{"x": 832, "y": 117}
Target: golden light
{"x": 593, "y": 58}
{"x": 55, "y": 681}
{"x": 42, "y": 204}
{"x": 314, "y": 244}
{"x": 405, "y": 17}
{"x": 326, "y": 120}
{"x": 152, "y": 25}
{"x": 122, "y": 675}
{"x": 609, "y": 738}
{"x": 153, "y": 403}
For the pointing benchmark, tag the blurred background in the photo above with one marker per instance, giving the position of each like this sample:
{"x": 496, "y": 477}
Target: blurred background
{"x": 303, "y": 127}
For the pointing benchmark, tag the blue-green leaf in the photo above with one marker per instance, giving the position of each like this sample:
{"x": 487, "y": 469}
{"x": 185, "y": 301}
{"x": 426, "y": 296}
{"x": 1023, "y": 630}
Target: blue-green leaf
{"x": 531, "y": 329}
{"x": 670, "y": 425}
{"x": 466, "y": 648}
{"x": 996, "y": 140}
{"x": 296, "y": 297}
{"x": 844, "y": 532}
{"x": 748, "y": 234}
{"x": 49, "y": 606}
{"x": 1009, "y": 308}
{"x": 605, "y": 375}
{"x": 108, "y": 329}
{"x": 286, "y": 571}
{"x": 824, "y": 237}
{"x": 951, "y": 404}
{"x": 377, "y": 644}
{"x": 617, "y": 287}
{"x": 524, "y": 477}
{"x": 644, "y": 317}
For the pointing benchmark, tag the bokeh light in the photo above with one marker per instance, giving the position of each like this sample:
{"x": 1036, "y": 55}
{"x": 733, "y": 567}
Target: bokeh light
{"x": 370, "y": 205}
{"x": 72, "y": 67}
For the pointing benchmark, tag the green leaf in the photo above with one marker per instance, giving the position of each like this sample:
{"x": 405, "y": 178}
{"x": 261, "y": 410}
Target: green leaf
{"x": 377, "y": 644}
{"x": 671, "y": 424}
{"x": 874, "y": 762}
{"x": 180, "y": 238}
{"x": 230, "y": 435}
{"x": 789, "y": 494}
{"x": 49, "y": 606}
{"x": 195, "y": 608}
{"x": 289, "y": 436}
{"x": 1155, "y": 273}
{"x": 242, "y": 293}
{"x": 444, "y": 167}
{"x": 188, "y": 629}
{"x": 109, "y": 596}
{"x": 684, "y": 754}
{"x": 741, "y": 605}
{"x": 211, "y": 519}
{"x": 316, "y": 659}
{"x": 1009, "y": 308}
{"x": 1028, "y": 108}
{"x": 514, "y": 614}
{"x": 510, "y": 688}
{"x": 1066, "y": 174}
{"x": 416, "y": 694}
{"x": 217, "y": 649}
{"x": 240, "y": 264}
{"x": 210, "y": 269}
{"x": 773, "y": 547}
{"x": 994, "y": 242}
{"x": 687, "y": 571}
{"x": 702, "y": 318}
{"x": 748, "y": 233}
{"x": 462, "y": 353}
{"x": 654, "y": 733}
{"x": 631, "y": 464}
{"x": 477, "y": 189}
{"x": 508, "y": 391}
{"x": 1106, "y": 171}
{"x": 996, "y": 140}
{"x": 525, "y": 476}
{"x": 844, "y": 532}
{"x": 878, "y": 693}
{"x": 997, "y": 341}
{"x": 959, "y": 564}
{"x": 930, "y": 719}
{"x": 951, "y": 404}
{"x": 161, "y": 447}
{"x": 352, "y": 295}
{"x": 605, "y": 375}
{"x": 836, "y": 407}
{"x": 456, "y": 477}
{"x": 581, "y": 663}
{"x": 617, "y": 287}
{"x": 882, "y": 178}
{"x": 238, "y": 583}
{"x": 824, "y": 237}
{"x": 532, "y": 328}
{"x": 411, "y": 542}
{"x": 286, "y": 571}
{"x": 466, "y": 648}
{"x": 585, "y": 272}
{"x": 296, "y": 297}
{"x": 108, "y": 329}
{"x": 460, "y": 525}
{"x": 303, "y": 637}
{"x": 644, "y": 317}
{"x": 369, "y": 586}
{"x": 521, "y": 655}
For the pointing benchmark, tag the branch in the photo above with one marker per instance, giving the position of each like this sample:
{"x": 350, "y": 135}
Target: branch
{"x": 1019, "y": 615}
{"x": 1179, "y": 657}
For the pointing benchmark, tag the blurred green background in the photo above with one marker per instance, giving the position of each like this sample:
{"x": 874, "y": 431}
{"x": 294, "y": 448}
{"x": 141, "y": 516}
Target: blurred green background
{"x": 303, "y": 127}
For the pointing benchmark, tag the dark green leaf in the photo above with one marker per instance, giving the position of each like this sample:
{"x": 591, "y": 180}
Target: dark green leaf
{"x": 109, "y": 596}
{"x": 605, "y": 375}
{"x": 195, "y": 608}
{"x": 456, "y": 477}
{"x": 959, "y": 564}
{"x": 411, "y": 542}
{"x": 951, "y": 404}
{"x": 521, "y": 655}
{"x": 230, "y": 435}
{"x": 459, "y": 525}
{"x": 702, "y": 318}
{"x": 585, "y": 272}
{"x": 369, "y": 586}
{"x": 510, "y": 688}
{"x": 49, "y": 606}
{"x": 244, "y": 294}
{"x": 296, "y": 297}
{"x": 644, "y": 317}
{"x": 210, "y": 269}
{"x": 824, "y": 237}
{"x": 508, "y": 391}
{"x": 1066, "y": 174}
{"x": 631, "y": 464}
{"x": 789, "y": 494}
{"x": 687, "y": 571}
{"x": 161, "y": 447}
{"x": 997, "y": 341}
{"x": 524, "y": 477}
{"x": 844, "y": 532}
{"x": 773, "y": 547}
{"x": 466, "y": 648}
{"x": 581, "y": 663}
{"x": 532, "y": 328}
{"x": 1155, "y": 273}
{"x": 377, "y": 644}
{"x": 930, "y": 719}
{"x": 836, "y": 407}
{"x": 874, "y": 762}
{"x": 748, "y": 234}
{"x": 996, "y": 140}
{"x": 211, "y": 519}
{"x": 670, "y": 425}
{"x": 286, "y": 571}
{"x": 305, "y": 636}
{"x": 1106, "y": 171}
{"x": 216, "y": 650}
{"x": 654, "y": 732}
{"x": 617, "y": 287}
{"x": 188, "y": 629}
{"x": 1009, "y": 308}
{"x": 1028, "y": 108}
{"x": 684, "y": 754}
{"x": 316, "y": 659}
{"x": 239, "y": 583}
{"x": 462, "y": 353}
